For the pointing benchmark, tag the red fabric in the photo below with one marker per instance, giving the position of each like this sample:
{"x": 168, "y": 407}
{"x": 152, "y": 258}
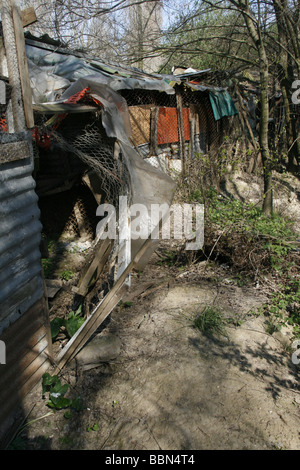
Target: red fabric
{"x": 3, "y": 124}
{"x": 83, "y": 96}
{"x": 43, "y": 139}
{"x": 167, "y": 125}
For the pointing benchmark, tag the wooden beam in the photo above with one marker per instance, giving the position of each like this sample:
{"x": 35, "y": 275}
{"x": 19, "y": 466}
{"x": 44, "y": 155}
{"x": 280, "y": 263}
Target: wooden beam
{"x": 180, "y": 126}
{"x": 23, "y": 67}
{"x": 96, "y": 263}
{"x": 100, "y": 313}
{"x": 28, "y": 16}
{"x": 154, "y": 131}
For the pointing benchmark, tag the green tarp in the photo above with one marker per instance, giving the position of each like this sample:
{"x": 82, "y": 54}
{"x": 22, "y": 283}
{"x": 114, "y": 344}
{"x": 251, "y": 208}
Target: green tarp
{"x": 222, "y": 104}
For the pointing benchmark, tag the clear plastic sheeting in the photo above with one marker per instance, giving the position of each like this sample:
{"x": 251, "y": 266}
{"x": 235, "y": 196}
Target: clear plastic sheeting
{"x": 147, "y": 184}
{"x": 45, "y": 85}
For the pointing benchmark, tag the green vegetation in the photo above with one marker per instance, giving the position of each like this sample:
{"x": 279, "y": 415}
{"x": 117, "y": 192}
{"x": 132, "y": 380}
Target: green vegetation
{"x": 256, "y": 247}
{"x": 69, "y": 325}
{"x": 47, "y": 264}
{"x": 67, "y": 274}
{"x": 52, "y": 385}
{"x": 210, "y": 321}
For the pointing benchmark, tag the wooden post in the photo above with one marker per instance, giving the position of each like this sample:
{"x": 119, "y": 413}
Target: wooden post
{"x": 23, "y": 67}
{"x": 154, "y": 130}
{"x": 192, "y": 133}
{"x": 124, "y": 249}
{"x": 181, "y": 130}
{"x": 16, "y": 102}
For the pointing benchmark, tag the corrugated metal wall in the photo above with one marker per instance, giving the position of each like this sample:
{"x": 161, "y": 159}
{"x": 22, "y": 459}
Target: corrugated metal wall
{"x": 24, "y": 322}
{"x": 21, "y": 282}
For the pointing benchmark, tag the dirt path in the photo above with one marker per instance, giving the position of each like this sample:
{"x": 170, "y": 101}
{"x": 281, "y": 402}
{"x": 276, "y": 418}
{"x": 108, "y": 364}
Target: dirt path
{"x": 172, "y": 387}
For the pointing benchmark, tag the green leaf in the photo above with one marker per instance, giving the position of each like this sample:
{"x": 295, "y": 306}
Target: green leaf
{"x": 59, "y": 388}
{"x": 95, "y": 427}
{"x": 48, "y": 380}
{"x": 73, "y": 323}
{"x": 77, "y": 404}
{"x": 58, "y": 402}
{"x": 55, "y": 326}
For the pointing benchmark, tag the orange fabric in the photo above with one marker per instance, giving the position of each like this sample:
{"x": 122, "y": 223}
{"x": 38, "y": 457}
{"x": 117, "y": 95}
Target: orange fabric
{"x": 43, "y": 139}
{"x": 167, "y": 125}
{"x": 3, "y": 124}
{"x": 83, "y": 95}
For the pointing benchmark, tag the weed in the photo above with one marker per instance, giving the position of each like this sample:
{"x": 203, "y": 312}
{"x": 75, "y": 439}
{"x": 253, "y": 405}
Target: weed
{"x": 57, "y": 392}
{"x": 95, "y": 427}
{"x": 66, "y": 441}
{"x": 47, "y": 264}
{"x": 125, "y": 304}
{"x": 67, "y": 274}
{"x": 70, "y": 324}
{"x": 210, "y": 321}
{"x": 169, "y": 258}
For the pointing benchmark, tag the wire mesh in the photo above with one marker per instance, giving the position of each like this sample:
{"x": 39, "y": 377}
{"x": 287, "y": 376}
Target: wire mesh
{"x": 156, "y": 127}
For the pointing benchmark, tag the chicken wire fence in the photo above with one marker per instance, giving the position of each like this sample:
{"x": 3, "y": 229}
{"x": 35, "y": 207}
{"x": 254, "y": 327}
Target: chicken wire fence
{"x": 69, "y": 150}
{"x": 169, "y": 130}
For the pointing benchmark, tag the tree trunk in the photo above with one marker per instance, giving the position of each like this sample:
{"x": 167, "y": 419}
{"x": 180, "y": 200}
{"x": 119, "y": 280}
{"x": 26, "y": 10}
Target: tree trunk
{"x": 264, "y": 140}
{"x": 257, "y": 39}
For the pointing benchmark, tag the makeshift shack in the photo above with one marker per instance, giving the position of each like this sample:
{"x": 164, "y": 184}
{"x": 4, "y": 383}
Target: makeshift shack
{"x": 97, "y": 132}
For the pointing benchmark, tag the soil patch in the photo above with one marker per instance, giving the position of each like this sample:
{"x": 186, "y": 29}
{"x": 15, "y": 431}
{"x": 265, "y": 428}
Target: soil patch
{"x": 171, "y": 387}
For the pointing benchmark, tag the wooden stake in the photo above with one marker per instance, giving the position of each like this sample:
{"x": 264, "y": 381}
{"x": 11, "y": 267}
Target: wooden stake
{"x": 180, "y": 130}
{"x": 97, "y": 263}
{"x": 101, "y": 312}
{"x": 23, "y": 67}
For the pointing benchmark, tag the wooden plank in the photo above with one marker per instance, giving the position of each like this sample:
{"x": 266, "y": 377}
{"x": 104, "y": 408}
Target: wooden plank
{"x": 154, "y": 131}
{"x": 124, "y": 249}
{"x": 106, "y": 305}
{"x": 16, "y": 395}
{"x": 101, "y": 312}
{"x": 23, "y": 67}
{"x": 140, "y": 124}
{"x": 97, "y": 263}
{"x": 2, "y": 92}
{"x": 180, "y": 125}
{"x": 94, "y": 184}
{"x": 192, "y": 134}
{"x": 28, "y": 16}
{"x": 139, "y": 291}
{"x": 19, "y": 371}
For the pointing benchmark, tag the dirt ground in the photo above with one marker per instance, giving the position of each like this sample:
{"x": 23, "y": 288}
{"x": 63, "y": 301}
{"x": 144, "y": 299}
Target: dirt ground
{"x": 173, "y": 388}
